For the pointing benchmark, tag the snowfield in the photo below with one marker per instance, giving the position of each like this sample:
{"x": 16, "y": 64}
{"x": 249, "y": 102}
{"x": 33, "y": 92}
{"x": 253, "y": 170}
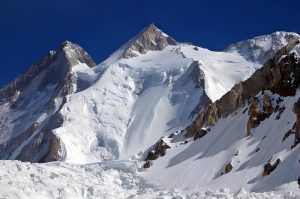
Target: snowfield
{"x": 115, "y": 179}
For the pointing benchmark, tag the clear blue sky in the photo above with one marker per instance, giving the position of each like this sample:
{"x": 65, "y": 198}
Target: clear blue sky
{"x": 29, "y": 29}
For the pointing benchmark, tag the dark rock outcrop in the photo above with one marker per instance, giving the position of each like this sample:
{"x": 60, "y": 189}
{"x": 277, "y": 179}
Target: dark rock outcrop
{"x": 147, "y": 165}
{"x": 269, "y": 168}
{"x": 200, "y": 134}
{"x": 228, "y": 168}
{"x": 256, "y": 115}
{"x": 8, "y": 147}
{"x": 45, "y": 146}
{"x": 159, "y": 149}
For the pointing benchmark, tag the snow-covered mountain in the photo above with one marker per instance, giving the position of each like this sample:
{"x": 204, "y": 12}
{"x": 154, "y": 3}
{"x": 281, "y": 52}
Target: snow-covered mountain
{"x": 261, "y": 48}
{"x": 146, "y": 106}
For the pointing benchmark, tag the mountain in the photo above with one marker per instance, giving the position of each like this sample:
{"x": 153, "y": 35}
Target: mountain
{"x": 261, "y": 48}
{"x": 158, "y": 111}
{"x": 247, "y": 139}
{"x": 30, "y": 105}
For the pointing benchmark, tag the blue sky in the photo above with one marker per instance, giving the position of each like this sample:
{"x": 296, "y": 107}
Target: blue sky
{"x": 29, "y": 29}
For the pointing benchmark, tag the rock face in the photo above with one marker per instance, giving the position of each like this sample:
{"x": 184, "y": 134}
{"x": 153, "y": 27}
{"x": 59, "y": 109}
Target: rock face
{"x": 256, "y": 115}
{"x": 27, "y": 135}
{"x": 159, "y": 149}
{"x": 151, "y": 38}
{"x": 58, "y": 63}
{"x": 268, "y": 168}
{"x": 228, "y": 168}
{"x": 275, "y": 75}
{"x": 296, "y": 110}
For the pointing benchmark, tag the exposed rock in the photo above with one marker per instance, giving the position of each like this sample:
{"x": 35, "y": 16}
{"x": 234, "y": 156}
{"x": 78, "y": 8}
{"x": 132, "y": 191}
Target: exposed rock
{"x": 197, "y": 75}
{"x": 289, "y": 76}
{"x": 256, "y": 115}
{"x": 228, "y": 168}
{"x": 200, "y": 133}
{"x": 280, "y": 111}
{"x": 269, "y": 168}
{"x": 15, "y": 97}
{"x": 172, "y": 135}
{"x": 287, "y": 134}
{"x": 147, "y": 165}
{"x": 7, "y": 148}
{"x": 45, "y": 146}
{"x": 150, "y": 38}
{"x": 267, "y": 105}
{"x": 56, "y": 150}
{"x": 159, "y": 149}
{"x": 185, "y": 142}
{"x": 296, "y": 110}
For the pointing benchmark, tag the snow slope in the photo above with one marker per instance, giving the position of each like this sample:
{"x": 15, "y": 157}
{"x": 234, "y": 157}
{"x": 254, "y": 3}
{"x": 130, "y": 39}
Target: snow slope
{"x": 222, "y": 69}
{"x": 200, "y": 165}
{"x": 100, "y": 180}
{"x": 138, "y": 100}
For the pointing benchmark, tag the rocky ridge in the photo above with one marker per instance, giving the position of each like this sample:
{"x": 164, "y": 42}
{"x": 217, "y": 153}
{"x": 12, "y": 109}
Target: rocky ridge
{"x": 274, "y": 76}
{"x": 32, "y": 138}
{"x": 150, "y": 38}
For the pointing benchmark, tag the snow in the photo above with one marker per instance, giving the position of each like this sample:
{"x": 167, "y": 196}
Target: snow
{"x": 222, "y": 69}
{"x": 62, "y": 180}
{"x": 199, "y": 165}
{"x": 21, "y": 180}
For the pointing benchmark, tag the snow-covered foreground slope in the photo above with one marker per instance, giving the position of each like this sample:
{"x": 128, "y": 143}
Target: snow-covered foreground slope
{"x": 100, "y": 180}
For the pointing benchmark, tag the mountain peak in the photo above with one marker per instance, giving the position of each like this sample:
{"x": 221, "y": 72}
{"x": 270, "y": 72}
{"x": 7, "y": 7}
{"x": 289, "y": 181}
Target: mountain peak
{"x": 67, "y": 42}
{"x": 58, "y": 63}
{"x": 259, "y": 49}
{"x": 75, "y": 54}
{"x": 150, "y": 38}
{"x": 152, "y": 25}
